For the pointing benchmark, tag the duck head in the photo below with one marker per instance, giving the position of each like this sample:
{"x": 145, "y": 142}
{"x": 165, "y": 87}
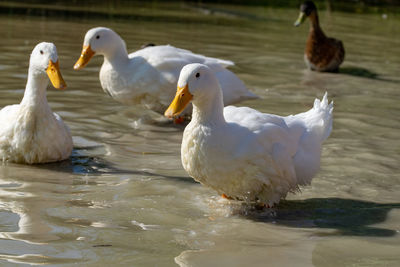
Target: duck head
{"x": 306, "y": 9}
{"x": 100, "y": 40}
{"x": 197, "y": 83}
{"x": 44, "y": 60}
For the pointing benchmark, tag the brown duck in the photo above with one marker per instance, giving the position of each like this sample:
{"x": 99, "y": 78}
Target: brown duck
{"x": 322, "y": 53}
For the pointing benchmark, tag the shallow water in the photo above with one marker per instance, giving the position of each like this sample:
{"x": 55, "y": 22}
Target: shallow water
{"x": 123, "y": 197}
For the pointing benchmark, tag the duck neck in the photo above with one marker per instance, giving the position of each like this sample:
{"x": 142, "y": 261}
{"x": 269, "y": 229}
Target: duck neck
{"x": 313, "y": 17}
{"x": 209, "y": 110}
{"x": 35, "y": 90}
{"x": 315, "y": 29}
{"x": 117, "y": 56}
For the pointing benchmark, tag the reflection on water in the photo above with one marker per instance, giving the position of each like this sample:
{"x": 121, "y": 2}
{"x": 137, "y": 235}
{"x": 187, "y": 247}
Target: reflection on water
{"x": 123, "y": 197}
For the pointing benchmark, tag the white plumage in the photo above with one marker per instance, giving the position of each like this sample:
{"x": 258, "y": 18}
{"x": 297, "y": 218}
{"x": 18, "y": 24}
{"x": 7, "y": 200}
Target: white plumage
{"x": 30, "y": 132}
{"x": 149, "y": 76}
{"x": 243, "y": 153}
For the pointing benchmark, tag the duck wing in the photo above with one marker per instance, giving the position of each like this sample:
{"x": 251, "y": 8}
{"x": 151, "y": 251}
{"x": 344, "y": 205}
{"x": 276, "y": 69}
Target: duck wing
{"x": 293, "y": 142}
{"x": 273, "y": 145}
{"x": 169, "y": 61}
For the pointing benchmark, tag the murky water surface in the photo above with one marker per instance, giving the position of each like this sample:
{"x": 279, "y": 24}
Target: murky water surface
{"x": 123, "y": 197}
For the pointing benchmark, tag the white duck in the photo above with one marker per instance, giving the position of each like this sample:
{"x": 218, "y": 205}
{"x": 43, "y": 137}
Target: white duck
{"x": 149, "y": 75}
{"x": 30, "y": 132}
{"x": 242, "y": 153}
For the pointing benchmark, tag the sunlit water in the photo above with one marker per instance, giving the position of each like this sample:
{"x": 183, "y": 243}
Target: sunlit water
{"x": 123, "y": 197}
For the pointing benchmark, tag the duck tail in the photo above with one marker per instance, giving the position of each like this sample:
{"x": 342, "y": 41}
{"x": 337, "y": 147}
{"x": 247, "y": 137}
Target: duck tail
{"x": 321, "y": 120}
{"x": 315, "y": 127}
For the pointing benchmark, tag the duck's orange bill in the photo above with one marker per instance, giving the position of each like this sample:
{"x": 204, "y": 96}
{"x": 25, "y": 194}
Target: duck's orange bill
{"x": 181, "y": 100}
{"x": 53, "y": 71}
{"x": 86, "y": 55}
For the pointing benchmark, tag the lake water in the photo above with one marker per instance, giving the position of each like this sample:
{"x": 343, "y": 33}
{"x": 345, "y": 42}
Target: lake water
{"x": 124, "y": 199}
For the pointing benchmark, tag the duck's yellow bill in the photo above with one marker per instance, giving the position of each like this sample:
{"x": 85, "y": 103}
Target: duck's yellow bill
{"x": 86, "y": 55}
{"x": 53, "y": 71}
{"x": 181, "y": 100}
{"x": 302, "y": 17}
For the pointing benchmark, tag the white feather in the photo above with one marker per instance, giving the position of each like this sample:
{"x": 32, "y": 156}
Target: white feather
{"x": 30, "y": 132}
{"x": 246, "y": 154}
{"x": 149, "y": 76}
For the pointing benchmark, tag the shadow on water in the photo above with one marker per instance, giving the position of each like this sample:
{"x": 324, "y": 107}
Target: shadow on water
{"x": 349, "y": 217}
{"x": 363, "y": 73}
{"x": 94, "y": 165}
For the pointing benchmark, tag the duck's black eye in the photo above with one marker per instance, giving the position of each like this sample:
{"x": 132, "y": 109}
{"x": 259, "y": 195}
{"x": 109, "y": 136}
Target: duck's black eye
{"x": 97, "y": 36}
{"x": 41, "y": 52}
{"x": 197, "y": 75}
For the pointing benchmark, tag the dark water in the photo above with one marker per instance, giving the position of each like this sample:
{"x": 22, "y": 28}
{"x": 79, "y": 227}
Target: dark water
{"x": 124, "y": 199}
